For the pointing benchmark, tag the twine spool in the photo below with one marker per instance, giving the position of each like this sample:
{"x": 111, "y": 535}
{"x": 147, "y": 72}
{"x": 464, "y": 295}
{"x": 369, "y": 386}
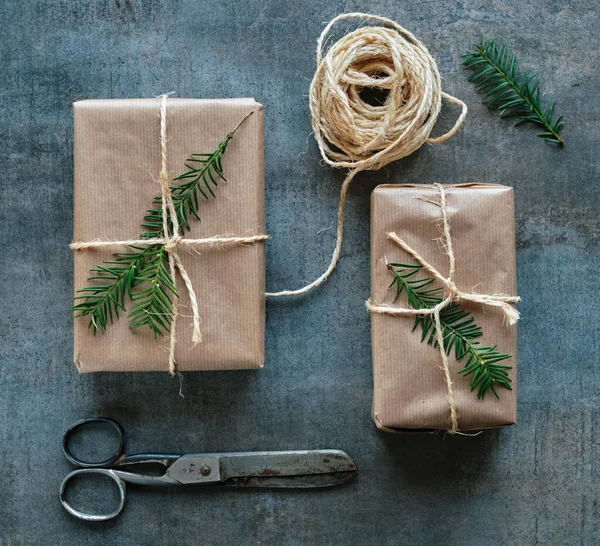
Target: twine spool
{"x": 352, "y": 133}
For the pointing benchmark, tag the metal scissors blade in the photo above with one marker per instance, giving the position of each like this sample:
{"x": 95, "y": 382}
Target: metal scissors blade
{"x": 272, "y": 469}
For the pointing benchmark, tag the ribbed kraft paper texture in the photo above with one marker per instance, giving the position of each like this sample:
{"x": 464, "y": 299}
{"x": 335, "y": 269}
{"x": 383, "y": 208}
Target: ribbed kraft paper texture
{"x": 409, "y": 387}
{"x": 117, "y": 162}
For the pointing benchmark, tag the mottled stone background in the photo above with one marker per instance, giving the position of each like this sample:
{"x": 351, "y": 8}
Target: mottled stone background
{"x": 535, "y": 483}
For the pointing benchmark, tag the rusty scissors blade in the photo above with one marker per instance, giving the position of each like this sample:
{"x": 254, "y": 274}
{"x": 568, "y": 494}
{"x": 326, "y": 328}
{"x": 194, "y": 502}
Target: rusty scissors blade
{"x": 266, "y": 469}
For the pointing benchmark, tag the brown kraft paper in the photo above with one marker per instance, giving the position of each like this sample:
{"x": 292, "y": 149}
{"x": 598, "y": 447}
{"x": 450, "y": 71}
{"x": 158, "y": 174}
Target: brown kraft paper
{"x": 409, "y": 388}
{"x": 117, "y": 160}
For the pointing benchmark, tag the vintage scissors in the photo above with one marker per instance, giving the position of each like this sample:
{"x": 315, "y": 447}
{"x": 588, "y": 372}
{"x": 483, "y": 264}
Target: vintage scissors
{"x": 268, "y": 469}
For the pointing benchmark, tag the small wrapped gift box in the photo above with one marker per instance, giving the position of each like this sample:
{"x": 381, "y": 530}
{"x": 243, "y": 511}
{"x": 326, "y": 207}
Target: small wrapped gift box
{"x": 118, "y": 155}
{"x": 412, "y": 391}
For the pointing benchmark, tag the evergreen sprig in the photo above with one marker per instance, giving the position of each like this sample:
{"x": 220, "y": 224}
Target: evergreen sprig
{"x": 113, "y": 281}
{"x": 459, "y": 331}
{"x": 201, "y": 178}
{"x": 152, "y": 304}
{"x": 496, "y": 73}
{"x": 142, "y": 275}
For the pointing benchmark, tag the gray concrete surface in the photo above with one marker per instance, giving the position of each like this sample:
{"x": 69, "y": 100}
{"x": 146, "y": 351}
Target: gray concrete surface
{"x": 535, "y": 483}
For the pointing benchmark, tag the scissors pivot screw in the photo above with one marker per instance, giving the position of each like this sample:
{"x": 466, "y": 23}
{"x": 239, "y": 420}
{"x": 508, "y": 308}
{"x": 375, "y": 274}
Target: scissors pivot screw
{"x": 205, "y": 470}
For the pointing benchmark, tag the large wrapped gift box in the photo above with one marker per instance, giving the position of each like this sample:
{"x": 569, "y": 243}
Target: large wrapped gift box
{"x": 117, "y": 156}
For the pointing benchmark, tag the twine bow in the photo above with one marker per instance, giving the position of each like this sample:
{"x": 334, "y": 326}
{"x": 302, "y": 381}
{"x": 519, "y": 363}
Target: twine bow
{"x": 453, "y": 294}
{"x": 171, "y": 240}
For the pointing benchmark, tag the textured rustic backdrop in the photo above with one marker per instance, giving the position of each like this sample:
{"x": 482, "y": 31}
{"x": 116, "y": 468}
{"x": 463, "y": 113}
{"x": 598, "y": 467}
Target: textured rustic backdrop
{"x": 535, "y": 483}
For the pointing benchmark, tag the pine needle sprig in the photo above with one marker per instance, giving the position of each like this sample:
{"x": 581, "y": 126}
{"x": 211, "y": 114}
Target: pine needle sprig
{"x": 142, "y": 275}
{"x": 459, "y": 330}
{"x": 113, "y": 281}
{"x": 152, "y": 304}
{"x": 201, "y": 179}
{"x": 496, "y": 74}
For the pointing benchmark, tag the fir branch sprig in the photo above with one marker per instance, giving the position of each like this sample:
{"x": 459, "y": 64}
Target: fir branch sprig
{"x": 201, "y": 177}
{"x": 460, "y": 332}
{"x": 496, "y": 73}
{"x": 113, "y": 281}
{"x": 152, "y": 304}
{"x": 142, "y": 275}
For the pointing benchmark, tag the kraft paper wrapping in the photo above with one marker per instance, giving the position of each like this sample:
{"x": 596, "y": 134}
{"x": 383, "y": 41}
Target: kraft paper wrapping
{"x": 117, "y": 161}
{"x": 409, "y": 388}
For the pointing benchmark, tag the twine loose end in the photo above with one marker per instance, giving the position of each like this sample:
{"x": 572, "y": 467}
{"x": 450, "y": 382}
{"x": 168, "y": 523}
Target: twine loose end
{"x": 511, "y": 314}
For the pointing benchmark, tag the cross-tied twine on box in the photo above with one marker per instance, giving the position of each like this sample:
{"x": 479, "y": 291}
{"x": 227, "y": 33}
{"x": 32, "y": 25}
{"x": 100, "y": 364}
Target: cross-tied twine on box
{"x": 452, "y": 294}
{"x": 171, "y": 240}
{"x": 352, "y": 133}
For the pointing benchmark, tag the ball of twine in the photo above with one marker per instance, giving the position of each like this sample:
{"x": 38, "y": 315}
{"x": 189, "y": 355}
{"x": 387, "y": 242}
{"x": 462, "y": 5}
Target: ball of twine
{"x": 353, "y": 133}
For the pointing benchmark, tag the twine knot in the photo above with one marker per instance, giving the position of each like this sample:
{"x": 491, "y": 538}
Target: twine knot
{"x": 172, "y": 242}
{"x": 452, "y": 290}
{"x": 454, "y": 295}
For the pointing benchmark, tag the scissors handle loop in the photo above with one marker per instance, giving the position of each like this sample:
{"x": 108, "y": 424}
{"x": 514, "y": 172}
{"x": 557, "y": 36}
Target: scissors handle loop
{"x": 89, "y": 464}
{"x": 93, "y": 517}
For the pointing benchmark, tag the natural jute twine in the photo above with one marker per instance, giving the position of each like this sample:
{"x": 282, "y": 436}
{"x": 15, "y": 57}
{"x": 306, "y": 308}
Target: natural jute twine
{"x": 452, "y": 295}
{"x": 356, "y": 135}
{"x": 172, "y": 239}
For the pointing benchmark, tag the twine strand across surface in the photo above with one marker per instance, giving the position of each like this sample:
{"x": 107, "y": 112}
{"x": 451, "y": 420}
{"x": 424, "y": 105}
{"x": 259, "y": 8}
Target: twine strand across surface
{"x": 354, "y": 134}
{"x": 453, "y": 294}
{"x": 171, "y": 240}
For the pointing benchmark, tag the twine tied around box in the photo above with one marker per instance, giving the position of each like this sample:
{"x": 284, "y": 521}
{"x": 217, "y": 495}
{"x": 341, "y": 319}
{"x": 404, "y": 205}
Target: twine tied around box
{"x": 172, "y": 239}
{"x": 453, "y": 295}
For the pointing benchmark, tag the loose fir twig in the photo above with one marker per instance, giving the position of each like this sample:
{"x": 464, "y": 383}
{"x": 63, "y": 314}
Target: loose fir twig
{"x": 143, "y": 275}
{"x": 459, "y": 331}
{"x": 496, "y": 74}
